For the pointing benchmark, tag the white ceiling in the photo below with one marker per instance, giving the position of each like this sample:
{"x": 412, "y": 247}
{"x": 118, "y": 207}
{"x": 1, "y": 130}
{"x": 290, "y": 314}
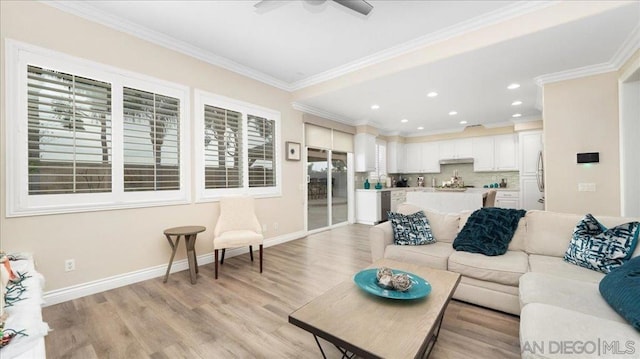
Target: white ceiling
{"x": 295, "y": 44}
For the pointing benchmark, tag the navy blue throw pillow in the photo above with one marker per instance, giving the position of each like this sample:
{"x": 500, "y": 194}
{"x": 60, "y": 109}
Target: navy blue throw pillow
{"x": 621, "y": 289}
{"x": 488, "y": 231}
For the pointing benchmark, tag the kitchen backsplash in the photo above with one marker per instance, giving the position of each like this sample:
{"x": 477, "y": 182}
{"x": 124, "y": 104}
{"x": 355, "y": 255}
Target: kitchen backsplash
{"x": 465, "y": 171}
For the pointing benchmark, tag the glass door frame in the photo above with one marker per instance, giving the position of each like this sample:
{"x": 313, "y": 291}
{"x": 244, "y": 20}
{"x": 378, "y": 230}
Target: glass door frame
{"x": 350, "y": 190}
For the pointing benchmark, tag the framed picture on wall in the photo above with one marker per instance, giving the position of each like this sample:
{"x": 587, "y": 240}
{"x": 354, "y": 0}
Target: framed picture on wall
{"x": 293, "y": 151}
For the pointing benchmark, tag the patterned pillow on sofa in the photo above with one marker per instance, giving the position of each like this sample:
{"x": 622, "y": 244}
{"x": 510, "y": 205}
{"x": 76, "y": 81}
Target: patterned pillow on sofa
{"x": 599, "y": 248}
{"x": 412, "y": 229}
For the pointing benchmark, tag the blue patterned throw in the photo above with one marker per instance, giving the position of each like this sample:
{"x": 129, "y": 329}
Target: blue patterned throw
{"x": 621, "y": 289}
{"x": 412, "y": 229}
{"x": 488, "y": 231}
{"x": 599, "y": 248}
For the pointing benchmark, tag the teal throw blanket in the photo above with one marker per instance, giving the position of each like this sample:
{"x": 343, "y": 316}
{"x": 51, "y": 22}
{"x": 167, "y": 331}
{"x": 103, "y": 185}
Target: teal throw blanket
{"x": 488, "y": 231}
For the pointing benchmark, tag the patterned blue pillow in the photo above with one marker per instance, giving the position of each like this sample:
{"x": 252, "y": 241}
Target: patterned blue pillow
{"x": 595, "y": 247}
{"x": 412, "y": 229}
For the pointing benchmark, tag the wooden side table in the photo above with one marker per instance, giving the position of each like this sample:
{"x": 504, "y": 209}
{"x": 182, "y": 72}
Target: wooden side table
{"x": 189, "y": 233}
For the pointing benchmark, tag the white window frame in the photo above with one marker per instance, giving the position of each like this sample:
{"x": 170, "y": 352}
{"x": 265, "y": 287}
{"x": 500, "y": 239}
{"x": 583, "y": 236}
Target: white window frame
{"x": 202, "y": 98}
{"x": 19, "y": 202}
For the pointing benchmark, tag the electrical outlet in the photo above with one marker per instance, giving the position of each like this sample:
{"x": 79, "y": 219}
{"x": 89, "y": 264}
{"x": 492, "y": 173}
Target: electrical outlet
{"x": 275, "y": 226}
{"x": 264, "y": 227}
{"x": 69, "y": 265}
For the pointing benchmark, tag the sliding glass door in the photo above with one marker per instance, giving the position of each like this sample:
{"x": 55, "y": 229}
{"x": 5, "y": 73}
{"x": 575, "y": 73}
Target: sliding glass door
{"x": 327, "y": 196}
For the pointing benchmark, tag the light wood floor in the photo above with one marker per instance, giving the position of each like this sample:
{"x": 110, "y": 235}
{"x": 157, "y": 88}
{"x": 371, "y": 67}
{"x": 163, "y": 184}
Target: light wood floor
{"x": 244, "y": 314}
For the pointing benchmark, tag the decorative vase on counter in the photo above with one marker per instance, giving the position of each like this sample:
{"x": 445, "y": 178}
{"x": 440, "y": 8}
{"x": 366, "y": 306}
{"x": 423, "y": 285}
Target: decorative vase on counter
{"x": 378, "y": 185}
{"x": 367, "y": 185}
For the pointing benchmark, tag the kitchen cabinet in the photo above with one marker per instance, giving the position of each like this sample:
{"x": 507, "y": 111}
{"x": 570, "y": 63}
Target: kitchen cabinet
{"x": 398, "y": 197}
{"x": 506, "y": 152}
{"x": 495, "y": 153}
{"x": 508, "y": 199}
{"x": 395, "y": 157}
{"x": 368, "y": 204}
{"x": 461, "y": 148}
{"x": 530, "y": 194}
{"x": 530, "y": 146}
{"x": 422, "y": 157}
{"x": 365, "y": 152}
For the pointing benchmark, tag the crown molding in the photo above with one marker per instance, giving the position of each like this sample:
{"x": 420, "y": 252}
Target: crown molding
{"x": 322, "y": 113}
{"x": 630, "y": 45}
{"x": 491, "y": 18}
{"x": 90, "y": 13}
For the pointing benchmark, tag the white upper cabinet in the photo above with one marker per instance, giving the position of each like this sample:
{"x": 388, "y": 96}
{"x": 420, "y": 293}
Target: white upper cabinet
{"x": 413, "y": 157}
{"x": 365, "y": 152}
{"x": 530, "y": 147}
{"x": 461, "y": 148}
{"x": 430, "y": 157}
{"x": 506, "y": 152}
{"x": 395, "y": 157}
{"x": 422, "y": 157}
{"x": 495, "y": 153}
{"x": 483, "y": 154}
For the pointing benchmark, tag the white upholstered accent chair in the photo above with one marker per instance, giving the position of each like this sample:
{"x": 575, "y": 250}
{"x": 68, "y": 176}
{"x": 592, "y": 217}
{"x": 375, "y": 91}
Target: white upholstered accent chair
{"x": 237, "y": 226}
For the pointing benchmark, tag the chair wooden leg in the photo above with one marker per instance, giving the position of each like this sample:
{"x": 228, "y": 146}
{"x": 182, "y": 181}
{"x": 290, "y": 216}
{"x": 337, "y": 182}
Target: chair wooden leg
{"x": 261, "y": 258}
{"x": 215, "y": 259}
{"x": 222, "y": 259}
{"x": 251, "y": 252}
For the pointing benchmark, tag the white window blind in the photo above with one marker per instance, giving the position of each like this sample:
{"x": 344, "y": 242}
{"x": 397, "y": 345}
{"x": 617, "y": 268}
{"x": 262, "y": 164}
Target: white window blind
{"x": 69, "y": 133}
{"x": 222, "y": 148}
{"x": 151, "y": 141}
{"x": 381, "y": 162}
{"x": 261, "y": 151}
{"x": 236, "y": 148}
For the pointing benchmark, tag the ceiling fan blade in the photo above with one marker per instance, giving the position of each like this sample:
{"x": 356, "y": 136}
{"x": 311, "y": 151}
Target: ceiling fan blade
{"x": 268, "y": 5}
{"x": 360, "y": 6}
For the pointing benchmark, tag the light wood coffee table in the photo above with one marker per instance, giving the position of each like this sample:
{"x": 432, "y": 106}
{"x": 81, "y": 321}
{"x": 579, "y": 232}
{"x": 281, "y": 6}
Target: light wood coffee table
{"x": 362, "y": 324}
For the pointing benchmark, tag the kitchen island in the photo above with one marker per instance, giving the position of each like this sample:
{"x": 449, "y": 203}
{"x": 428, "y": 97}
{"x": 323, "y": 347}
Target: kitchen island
{"x": 447, "y": 201}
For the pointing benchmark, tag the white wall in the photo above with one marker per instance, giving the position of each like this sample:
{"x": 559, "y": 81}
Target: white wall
{"x": 111, "y": 243}
{"x": 630, "y": 147}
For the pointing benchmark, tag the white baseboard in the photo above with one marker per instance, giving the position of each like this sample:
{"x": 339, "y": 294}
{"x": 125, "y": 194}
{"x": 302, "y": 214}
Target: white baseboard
{"x": 120, "y": 280}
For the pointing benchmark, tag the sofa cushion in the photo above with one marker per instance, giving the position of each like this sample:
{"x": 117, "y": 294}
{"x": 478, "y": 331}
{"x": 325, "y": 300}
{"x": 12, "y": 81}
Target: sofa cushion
{"x": 558, "y": 267}
{"x": 549, "y": 233}
{"x": 434, "y": 255}
{"x": 411, "y": 229}
{"x": 567, "y": 293}
{"x": 621, "y": 289}
{"x": 548, "y": 331}
{"x": 597, "y": 247}
{"x": 488, "y": 231}
{"x": 444, "y": 226}
{"x": 504, "y": 269}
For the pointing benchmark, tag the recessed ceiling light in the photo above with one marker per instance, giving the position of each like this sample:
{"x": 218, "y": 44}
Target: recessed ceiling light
{"x": 404, "y": 120}
{"x": 375, "y": 107}
{"x": 432, "y": 94}
{"x": 420, "y": 128}
{"x": 452, "y": 113}
{"x": 463, "y": 122}
{"x": 516, "y": 115}
{"x": 513, "y": 86}
{"x": 516, "y": 103}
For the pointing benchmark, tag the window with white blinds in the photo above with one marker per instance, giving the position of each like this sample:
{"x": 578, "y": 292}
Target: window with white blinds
{"x": 381, "y": 162}
{"x": 151, "y": 141}
{"x": 82, "y": 136}
{"x": 69, "y": 133}
{"x": 239, "y": 148}
{"x": 222, "y": 148}
{"x": 261, "y": 149}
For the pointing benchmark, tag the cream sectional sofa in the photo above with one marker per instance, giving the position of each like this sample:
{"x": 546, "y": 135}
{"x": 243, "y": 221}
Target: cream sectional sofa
{"x": 531, "y": 279}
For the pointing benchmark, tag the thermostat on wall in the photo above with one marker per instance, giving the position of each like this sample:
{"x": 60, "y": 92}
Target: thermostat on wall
{"x": 589, "y": 157}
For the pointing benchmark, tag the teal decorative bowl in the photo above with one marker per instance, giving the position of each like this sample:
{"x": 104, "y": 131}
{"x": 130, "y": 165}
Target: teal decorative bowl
{"x": 367, "y": 281}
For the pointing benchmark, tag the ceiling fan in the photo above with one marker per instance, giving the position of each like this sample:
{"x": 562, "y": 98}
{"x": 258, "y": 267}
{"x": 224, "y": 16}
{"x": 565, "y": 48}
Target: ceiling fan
{"x": 359, "y": 6}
